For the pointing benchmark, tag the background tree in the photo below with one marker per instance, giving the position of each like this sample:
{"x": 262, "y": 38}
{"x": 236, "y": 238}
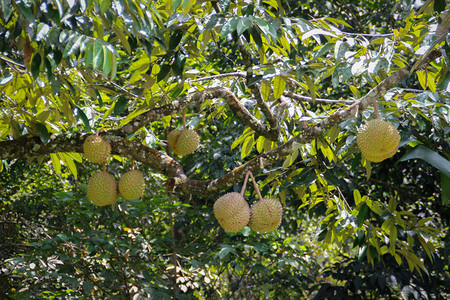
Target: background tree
{"x": 278, "y": 88}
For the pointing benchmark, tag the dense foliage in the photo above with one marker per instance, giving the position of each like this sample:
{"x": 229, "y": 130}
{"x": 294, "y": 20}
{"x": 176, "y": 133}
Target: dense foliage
{"x": 278, "y": 88}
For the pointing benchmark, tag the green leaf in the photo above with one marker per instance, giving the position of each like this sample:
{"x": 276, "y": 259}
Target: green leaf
{"x": 55, "y": 162}
{"x": 260, "y": 144}
{"x": 120, "y": 105}
{"x": 88, "y": 54}
{"x": 324, "y": 49}
{"x": 439, "y": 5}
{"x": 311, "y": 87}
{"x": 36, "y": 64}
{"x": 107, "y": 62}
{"x": 7, "y": 77}
{"x": 104, "y": 5}
{"x": 69, "y": 163}
{"x": 243, "y": 24}
{"x": 80, "y": 113}
{"x": 98, "y": 54}
{"x": 247, "y": 146}
{"x": 73, "y": 45}
{"x": 42, "y": 132}
{"x": 431, "y": 157}
{"x": 356, "y": 197}
{"x": 165, "y": 69}
{"x": 254, "y": 79}
{"x": 266, "y": 89}
{"x": 175, "y": 39}
{"x": 375, "y": 207}
{"x": 392, "y": 205}
{"x": 362, "y": 215}
{"x": 279, "y": 85}
{"x": 99, "y": 97}
{"x": 26, "y": 10}
{"x": 7, "y": 9}
{"x": 123, "y": 39}
{"x": 42, "y": 32}
{"x": 388, "y": 225}
{"x": 224, "y": 252}
{"x": 213, "y": 20}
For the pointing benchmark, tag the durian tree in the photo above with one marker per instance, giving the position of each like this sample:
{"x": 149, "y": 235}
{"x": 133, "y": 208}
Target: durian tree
{"x": 197, "y": 94}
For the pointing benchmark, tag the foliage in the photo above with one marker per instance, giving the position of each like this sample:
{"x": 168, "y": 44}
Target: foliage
{"x": 279, "y": 88}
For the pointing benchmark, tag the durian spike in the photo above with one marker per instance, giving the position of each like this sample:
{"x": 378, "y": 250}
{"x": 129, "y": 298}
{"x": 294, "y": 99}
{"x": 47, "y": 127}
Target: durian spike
{"x": 255, "y": 185}
{"x": 245, "y": 183}
{"x": 104, "y": 167}
{"x": 375, "y": 106}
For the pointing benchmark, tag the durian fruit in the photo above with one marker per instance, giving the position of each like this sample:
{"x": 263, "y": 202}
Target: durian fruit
{"x": 102, "y": 189}
{"x": 232, "y": 212}
{"x": 96, "y": 149}
{"x": 131, "y": 185}
{"x": 184, "y": 141}
{"x": 265, "y": 215}
{"x": 378, "y": 140}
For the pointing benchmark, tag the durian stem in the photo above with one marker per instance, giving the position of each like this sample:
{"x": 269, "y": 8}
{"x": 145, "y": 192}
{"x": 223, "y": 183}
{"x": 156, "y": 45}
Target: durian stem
{"x": 356, "y": 111}
{"x": 184, "y": 118}
{"x": 255, "y": 185}
{"x": 245, "y": 183}
{"x": 375, "y": 106}
{"x": 104, "y": 167}
{"x": 132, "y": 164}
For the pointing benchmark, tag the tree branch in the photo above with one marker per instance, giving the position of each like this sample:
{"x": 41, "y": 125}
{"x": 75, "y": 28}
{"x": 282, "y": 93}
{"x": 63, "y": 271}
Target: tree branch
{"x": 31, "y": 146}
{"x": 212, "y": 93}
{"x": 273, "y": 122}
{"x": 305, "y": 136}
{"x": 318, "y": 100}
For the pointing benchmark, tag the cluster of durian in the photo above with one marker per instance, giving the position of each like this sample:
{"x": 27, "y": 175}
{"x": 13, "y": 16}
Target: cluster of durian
{"x": 233, "y": 213}
{"x": 102, "y": 188}
{"x": 378, "y": 140}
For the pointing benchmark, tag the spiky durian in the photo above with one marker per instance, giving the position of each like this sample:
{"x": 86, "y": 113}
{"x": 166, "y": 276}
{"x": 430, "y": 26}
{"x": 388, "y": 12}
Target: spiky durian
{"x": 265, "y": 215}
{"x": 232, "y": 212}
{"x": 96, "y": 149}
{"x": 131, "y": 185}
{"x": 102, "y": 189}
{"x": 378, "y": 140}
{"x": 184, "y": 141}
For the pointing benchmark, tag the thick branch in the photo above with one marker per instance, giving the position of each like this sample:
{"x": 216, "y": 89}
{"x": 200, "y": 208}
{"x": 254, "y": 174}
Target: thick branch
{"x": 305, "y": 136}
{"x": 212, "y": 93}
{"x": 29, "y": 146}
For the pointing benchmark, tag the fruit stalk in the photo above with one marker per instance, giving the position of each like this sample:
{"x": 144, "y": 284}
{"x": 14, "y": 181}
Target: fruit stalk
{"x": 244, "y": 185}
{"x": 375, "y": 106}
{"x": 255, "y": 185}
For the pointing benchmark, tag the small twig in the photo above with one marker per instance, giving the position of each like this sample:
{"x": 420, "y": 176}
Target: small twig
{"x": 255, "y": 185}
{"x": 244, "y": 185}
{"x": 317, "y": 100}
{"x": 232, "y": 74}
{"x": 375, "y": 35}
